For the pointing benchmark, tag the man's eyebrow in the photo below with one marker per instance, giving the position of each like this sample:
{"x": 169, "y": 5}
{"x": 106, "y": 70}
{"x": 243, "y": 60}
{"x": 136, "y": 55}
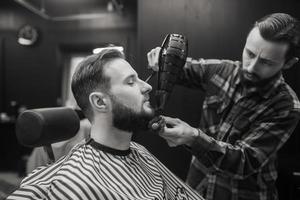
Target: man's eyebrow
{"x": 250, "y": 51}
{"x": 130, "y": 77}
{"x": 267, "y": 60}
{"x": 262, "y": 59}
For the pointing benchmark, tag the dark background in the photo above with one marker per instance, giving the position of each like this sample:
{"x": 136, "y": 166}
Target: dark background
{"x": 32, "y": 76}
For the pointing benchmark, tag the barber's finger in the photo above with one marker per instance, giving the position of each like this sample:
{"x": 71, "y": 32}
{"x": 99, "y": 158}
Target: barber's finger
{"x": 150, "y": 57}
{"x": 153, "y": 57}
{"x": 171, "y": 121}
{"x": 156, "y": 55}
{"x": 171, "y": 144}
{"x": 169, "y": 133}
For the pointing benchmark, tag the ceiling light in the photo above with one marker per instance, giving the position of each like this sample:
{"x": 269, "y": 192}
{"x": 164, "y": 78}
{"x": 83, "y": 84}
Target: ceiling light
{"x": 98, "y": 50}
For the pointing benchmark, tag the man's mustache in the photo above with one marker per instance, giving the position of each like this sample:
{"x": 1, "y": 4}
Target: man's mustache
{"x": 252, "y": 75}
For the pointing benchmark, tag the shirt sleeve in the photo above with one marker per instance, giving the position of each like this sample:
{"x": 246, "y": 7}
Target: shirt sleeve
{"x": 197, "y": 73}
{"x": 248, "y": 155}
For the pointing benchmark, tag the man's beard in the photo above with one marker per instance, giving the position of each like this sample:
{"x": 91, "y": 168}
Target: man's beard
{"x": 258, "y": 83}
{"x": 126, "y": 119}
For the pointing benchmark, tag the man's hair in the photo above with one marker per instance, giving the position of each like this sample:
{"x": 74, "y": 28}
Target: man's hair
{"x": 89, "y": 77}
{"x": 281, "y": 27}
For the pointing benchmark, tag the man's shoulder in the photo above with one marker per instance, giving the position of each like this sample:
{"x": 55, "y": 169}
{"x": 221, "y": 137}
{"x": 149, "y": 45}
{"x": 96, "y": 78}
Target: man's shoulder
{"x": 48, "y": 179}
{"x": 288, "y": 95}
{"x": 140, "y": 149}
{"x": 51, "y": 169}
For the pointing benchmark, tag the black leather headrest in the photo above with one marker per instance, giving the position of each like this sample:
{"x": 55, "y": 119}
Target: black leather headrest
{"x": 41, "y": 127}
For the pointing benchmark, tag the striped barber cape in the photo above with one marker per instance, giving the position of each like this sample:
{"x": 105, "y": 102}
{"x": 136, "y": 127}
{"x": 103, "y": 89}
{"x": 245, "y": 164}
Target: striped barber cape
{"x": 94, "y": 171}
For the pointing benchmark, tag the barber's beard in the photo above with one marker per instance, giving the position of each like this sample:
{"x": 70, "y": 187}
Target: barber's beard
{"x": 258, "y": 83}
{"x": 127, "y": 119}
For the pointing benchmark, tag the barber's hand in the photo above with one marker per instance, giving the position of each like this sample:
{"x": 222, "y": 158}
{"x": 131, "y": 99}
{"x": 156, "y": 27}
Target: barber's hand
{"x": 177, "y": 132}
{"x": 153, "y": 57}
{"x": 157, "y": 124}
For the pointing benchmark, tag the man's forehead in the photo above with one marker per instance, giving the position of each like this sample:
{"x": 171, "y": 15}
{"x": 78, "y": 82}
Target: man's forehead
{"x": 119, "y": 69}
{"x": 266, "y": 49}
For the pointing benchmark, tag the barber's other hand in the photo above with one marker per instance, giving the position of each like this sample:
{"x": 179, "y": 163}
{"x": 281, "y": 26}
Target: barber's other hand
{"x": 177, "y": 132}
{"x": 153, "y": 57}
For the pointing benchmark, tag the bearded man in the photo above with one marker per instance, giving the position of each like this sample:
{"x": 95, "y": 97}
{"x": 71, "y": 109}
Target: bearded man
{"x": 109, "y": 165}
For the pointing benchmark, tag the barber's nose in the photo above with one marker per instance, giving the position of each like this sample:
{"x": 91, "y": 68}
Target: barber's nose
{"x": 252, "y": 67}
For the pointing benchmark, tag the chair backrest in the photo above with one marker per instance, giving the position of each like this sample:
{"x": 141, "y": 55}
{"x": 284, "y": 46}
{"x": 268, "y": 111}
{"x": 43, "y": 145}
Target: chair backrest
{"x": 44, "y": 126}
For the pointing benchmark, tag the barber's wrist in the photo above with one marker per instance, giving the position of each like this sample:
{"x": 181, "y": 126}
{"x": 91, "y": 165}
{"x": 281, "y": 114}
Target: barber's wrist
{"x": 201, "y": 144}
{"x": 195, "y": 134}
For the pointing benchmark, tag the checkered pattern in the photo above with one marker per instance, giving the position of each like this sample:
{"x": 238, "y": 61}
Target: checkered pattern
{"x": 242, "y": 130}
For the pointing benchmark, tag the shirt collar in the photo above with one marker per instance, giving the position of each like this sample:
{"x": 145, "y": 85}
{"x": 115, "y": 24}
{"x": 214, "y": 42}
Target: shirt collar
{"x": 107, "y": 149}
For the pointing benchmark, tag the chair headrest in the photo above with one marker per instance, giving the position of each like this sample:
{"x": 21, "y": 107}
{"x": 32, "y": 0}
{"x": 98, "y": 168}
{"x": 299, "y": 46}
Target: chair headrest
{"x": 44, "y": 126}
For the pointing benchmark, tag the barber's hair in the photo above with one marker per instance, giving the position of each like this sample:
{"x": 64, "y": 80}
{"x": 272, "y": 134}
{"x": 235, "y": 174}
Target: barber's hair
{"x": 89, "y": 77}
{"x": 281, "y": 27}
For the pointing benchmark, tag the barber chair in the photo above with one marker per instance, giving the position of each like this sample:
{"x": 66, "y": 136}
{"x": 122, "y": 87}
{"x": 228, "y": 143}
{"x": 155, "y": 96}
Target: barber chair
{"x": 42, "y": 127}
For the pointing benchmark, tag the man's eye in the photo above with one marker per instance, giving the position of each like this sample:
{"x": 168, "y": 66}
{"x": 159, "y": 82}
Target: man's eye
{"x": 250, "y": 54}
{"x": 131, "y": 82}
{"x": 265, "y": 62}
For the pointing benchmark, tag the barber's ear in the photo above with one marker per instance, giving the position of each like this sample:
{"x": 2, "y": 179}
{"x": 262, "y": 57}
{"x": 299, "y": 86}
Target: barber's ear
{"x": 290, "y": 63}
{"x": 99, "y": 101}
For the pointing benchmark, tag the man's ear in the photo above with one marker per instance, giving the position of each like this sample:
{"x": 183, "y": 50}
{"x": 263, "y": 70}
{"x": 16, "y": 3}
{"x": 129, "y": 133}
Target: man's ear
{"x": 99, "y": 101}
{"x": 290, "y": 62}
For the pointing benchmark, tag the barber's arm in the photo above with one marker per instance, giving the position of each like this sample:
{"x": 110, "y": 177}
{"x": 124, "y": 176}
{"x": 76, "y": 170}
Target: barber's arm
{"x": 196, "y": 73}
{"x": 246, "y": 156}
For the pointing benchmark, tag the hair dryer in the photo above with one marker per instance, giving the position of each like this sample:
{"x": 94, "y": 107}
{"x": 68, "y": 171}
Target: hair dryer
{"x": 171, "y": 61}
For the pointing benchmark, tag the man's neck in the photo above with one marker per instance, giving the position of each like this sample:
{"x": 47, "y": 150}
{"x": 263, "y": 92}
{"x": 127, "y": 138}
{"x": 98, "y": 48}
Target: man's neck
{"x": 110, "y": 136}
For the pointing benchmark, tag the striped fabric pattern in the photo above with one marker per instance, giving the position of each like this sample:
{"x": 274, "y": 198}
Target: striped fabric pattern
{"x": 90, "y": 173}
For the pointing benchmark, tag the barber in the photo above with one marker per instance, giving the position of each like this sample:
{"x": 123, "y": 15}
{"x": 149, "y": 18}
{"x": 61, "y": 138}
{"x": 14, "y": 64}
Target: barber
{"x": 249, "y": 112}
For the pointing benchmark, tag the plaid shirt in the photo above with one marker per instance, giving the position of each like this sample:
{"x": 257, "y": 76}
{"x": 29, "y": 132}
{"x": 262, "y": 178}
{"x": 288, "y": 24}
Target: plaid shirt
{"x": 241, "y": 131}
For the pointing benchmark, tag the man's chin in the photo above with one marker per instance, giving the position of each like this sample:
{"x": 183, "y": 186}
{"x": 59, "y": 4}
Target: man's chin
{"x": 148, "y": 110}
{"x": 251, "y": 82}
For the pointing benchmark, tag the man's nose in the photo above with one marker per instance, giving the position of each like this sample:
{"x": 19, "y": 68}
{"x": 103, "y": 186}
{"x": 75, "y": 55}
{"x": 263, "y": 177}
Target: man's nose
{"x": 146, "y": 88}
{"x": 252, "y": 67}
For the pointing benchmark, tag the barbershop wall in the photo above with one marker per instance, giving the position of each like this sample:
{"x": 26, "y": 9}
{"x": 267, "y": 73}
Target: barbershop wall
{"x": 215, "y": 29}
{"x": 31, "y": 76}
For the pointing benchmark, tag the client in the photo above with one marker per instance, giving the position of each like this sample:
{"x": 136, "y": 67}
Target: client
{"x": 108, "y": 165}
